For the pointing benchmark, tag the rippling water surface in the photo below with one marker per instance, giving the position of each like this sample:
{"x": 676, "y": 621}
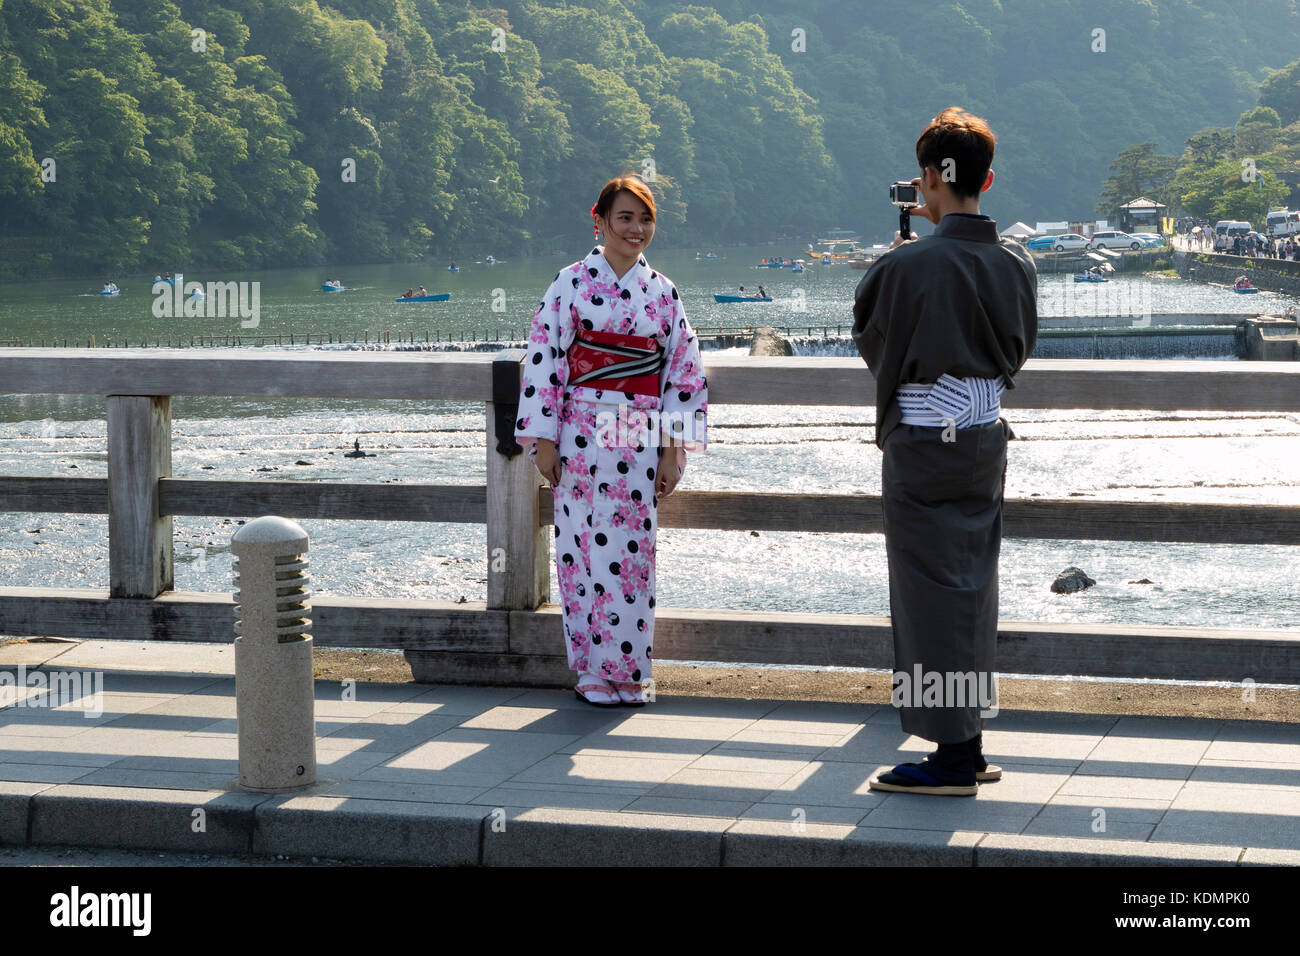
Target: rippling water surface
{"x": 1101, "y": 455}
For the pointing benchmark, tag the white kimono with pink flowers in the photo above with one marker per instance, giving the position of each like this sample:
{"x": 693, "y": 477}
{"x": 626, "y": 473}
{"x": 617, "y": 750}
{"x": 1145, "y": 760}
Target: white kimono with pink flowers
{"x": 608, "y": 444}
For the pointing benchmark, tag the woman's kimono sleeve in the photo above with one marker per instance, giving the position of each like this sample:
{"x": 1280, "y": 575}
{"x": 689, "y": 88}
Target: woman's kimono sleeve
{"x": 683, "y": 387}
{"x": 541, "y": 389}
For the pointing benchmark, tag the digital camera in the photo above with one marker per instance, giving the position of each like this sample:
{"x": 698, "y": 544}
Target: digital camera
{"x": 903, "y": 195}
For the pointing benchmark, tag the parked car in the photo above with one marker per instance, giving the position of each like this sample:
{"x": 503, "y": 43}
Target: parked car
{"x": 1115, "y": 240}
{"x": 1150, "y": 238}
{"x": 1059, "y": 243}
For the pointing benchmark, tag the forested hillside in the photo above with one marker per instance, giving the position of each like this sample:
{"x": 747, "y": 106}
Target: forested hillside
{"x": 248, "y": 133}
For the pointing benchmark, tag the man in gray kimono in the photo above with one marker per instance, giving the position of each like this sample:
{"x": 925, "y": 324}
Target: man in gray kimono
{"x": 944, "y": 323}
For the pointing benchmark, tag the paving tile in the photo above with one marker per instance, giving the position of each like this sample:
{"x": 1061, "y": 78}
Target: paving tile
{"x": 31, "y": 653}
{"x": 871, "y": 744}
{"x": 366, "y": 692}
{"x": 336, "y": 765}
{"x": 381, "y": 773}
{"x": 924, "y": 812}
{"x": 1121, "y": 809}
{"x": 141, "y": 682}
{"x": 828, "y": 784}
{"x": 818, "y": 711}
{"x": 545, "y": 720}
{"x": 203, "y": 705}
{"x": 1259, "y": 752}
{"x": 823, "y": 728}
{"x": 354, "y": 709}
{"x": 112, "y": 702}
{"x": 707, "y": 708}
{"x": 227, "y": 765}
{"x": 658, "y": 737}
{"x": 1082, "y": 821}
{"x": 1023, "y": 784}
{"x": 543, "y": 697}
{"x": 180, "y": 723}
{"x": 690, "y": 783}
{"x": 1248, "y": 773}
{"x": 42, "y": 772}
{"x": 24, "y": 722}
{"x": 1039, "y": 746}
{"x": 1224, "y": 813}
{"x": 1170, "y": 758}
{"x": 791, "y": 814}
{"x": 746, "y": 763}
{"x": 594, "y": 769}
{"x": 116, "y": 776}
{"x": 1049, "y": 722}
{"x": 1257, "y": 731}
{"x": 41, "y": 750}
{"x": 386, "y": 732}
{"x": 167, "y": 657}
{"x": 457, "y": 699}
{"x": 810, "y": 748}
{"x": 406, "y": 792}
{"x": 572, "y": 798}
{"x": 1166, "y": 728}
{"x": 174, "y": 746}
{"x": 1109, "y": 787}
{"x": 123, "y": 741}
{"x": 489, "y": 751}
{"x": 689, "y": 806}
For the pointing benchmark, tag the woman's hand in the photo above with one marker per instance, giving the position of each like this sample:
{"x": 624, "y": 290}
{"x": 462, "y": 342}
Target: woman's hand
{"x": 669, "y": 473}
{"x": 548, "y": 462}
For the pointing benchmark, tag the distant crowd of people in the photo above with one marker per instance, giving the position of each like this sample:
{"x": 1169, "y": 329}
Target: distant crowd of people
{"x": 1254, "y": 244}
{"x": 1267, "y": 247}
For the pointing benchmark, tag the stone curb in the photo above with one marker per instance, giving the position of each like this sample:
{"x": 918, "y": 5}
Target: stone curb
{"x": 395, "y": 831}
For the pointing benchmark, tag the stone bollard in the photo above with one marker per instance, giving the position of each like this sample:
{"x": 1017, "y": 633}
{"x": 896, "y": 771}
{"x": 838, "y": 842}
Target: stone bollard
{"x": 274, "y": 691}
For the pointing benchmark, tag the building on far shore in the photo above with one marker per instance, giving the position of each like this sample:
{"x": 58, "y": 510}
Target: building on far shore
{"x": 1141, "y": 215}
{"x": 1083, "y": 227}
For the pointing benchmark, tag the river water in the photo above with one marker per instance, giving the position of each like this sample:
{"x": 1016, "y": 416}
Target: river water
{"x": 1102, "y": 455}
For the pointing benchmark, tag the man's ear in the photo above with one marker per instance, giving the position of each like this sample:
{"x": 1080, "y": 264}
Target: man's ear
{"x": 988, "y": 181}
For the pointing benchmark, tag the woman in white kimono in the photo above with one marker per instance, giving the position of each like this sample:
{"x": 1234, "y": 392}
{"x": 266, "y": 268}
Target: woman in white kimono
{"x": 613, "y": 393}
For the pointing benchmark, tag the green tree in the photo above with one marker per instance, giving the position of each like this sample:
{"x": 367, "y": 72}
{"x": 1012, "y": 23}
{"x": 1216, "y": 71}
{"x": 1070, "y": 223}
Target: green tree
{"x": 1137, "y": 171}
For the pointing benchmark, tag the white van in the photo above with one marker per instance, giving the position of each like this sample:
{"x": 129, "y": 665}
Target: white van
{"x": 1282, "y": 223}
{"x": 1231, "y": 227}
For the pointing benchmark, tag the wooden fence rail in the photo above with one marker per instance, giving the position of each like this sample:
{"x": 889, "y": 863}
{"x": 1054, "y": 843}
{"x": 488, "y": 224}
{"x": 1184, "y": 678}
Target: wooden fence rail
{"x": 514, "y": 636}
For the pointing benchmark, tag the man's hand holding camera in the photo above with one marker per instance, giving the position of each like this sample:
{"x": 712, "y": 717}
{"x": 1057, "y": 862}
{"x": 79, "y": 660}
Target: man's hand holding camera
{"x": 906, "y": 196}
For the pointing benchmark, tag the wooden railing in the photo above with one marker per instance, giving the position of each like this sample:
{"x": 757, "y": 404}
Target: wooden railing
{"x": 514, "y": 637}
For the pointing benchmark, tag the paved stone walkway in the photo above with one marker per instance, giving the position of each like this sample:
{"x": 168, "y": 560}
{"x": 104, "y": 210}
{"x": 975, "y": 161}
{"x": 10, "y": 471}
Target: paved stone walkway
{"x": 445, "y": 774}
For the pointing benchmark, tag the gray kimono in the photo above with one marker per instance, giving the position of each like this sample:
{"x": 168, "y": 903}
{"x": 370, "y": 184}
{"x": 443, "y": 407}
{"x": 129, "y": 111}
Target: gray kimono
{"x": 961, "y": 301}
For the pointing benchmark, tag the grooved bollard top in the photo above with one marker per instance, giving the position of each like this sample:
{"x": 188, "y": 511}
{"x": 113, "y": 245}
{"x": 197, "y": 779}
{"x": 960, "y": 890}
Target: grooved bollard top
{"x": 269, "y": 536}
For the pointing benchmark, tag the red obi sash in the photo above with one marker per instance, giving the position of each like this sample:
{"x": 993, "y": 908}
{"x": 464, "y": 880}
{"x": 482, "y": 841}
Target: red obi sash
{"x": 620, "y": 363}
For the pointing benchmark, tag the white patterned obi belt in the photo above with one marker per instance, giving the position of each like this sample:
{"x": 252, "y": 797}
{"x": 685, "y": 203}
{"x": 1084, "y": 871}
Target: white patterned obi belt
{"x": 960, "y": 401}
{"x": 617, "y": 362}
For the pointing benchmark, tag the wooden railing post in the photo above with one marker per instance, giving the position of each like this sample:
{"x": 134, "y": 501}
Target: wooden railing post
{"x": 139, "y": 453}
{"x": 518, "y": 552}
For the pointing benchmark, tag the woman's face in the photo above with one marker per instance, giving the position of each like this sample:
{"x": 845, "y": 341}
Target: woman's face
{"x": 628, "y": 228}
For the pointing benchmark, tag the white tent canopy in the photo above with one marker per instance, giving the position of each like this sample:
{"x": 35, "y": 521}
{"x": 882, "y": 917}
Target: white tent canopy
{"x": 1019, "y": 229}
